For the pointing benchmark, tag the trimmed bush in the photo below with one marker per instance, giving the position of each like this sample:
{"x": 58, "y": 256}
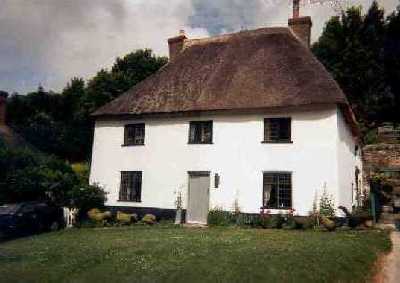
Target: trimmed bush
{"x": 126, "y": 218}
{"x": 329, "y": 224}
{"x": 97, "y": 216}
{"x": 149, "y": 219}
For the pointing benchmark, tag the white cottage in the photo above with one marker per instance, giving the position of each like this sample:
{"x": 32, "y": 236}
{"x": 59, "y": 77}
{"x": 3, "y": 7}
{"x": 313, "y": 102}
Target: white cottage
{"x": 250, "y": 118}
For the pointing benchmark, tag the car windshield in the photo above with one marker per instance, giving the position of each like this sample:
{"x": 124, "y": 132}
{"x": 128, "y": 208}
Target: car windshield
{"x": 8, "y": 208}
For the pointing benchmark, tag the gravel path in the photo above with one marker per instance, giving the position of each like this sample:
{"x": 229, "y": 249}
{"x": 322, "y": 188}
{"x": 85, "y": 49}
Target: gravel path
{"x": 391, "y": 264}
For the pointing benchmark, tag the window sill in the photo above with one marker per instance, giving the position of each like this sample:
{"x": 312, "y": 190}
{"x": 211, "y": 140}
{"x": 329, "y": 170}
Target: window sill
{"x": 124, "y": 145}
{"x": 129, "y": 201}
{"x": 278, "y": 142}
{"x": 275, "y": 209}
{"x": 200, "y": 143}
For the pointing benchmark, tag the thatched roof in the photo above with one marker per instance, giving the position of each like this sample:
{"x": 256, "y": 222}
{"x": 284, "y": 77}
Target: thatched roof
{"x": 258, "y": 69}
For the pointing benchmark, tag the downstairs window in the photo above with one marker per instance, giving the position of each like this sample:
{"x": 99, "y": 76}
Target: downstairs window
{"x": 131, "y": 186}
{"x": 277, "y": 190}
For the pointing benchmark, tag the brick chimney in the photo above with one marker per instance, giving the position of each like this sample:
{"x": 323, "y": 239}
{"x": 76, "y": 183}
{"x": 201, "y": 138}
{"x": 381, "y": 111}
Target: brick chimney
{"x": 301, "y": 26}
{"x": 3, "y": 100}
{"x": 176, "y": 45}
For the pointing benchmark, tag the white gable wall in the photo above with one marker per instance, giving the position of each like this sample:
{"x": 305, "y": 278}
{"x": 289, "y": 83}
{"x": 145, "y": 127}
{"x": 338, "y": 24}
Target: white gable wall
{"x": 348, "y": 161}
{"x": 236, "y": 155}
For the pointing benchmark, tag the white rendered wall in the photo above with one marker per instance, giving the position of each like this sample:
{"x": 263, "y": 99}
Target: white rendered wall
{"x": 236, "y": 154}
{"x": 348, "y": 160}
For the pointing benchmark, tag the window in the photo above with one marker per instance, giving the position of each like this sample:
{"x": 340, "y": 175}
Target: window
{"x": 277, "y": 191}
{"x": 134, "y": 134}
{"x": 200, "y": 132}
{"x": 277, "y": 130}
{"x": 131, "y": 186}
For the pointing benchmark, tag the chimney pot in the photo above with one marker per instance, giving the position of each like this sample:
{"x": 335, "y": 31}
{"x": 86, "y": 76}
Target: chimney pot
{"x": 301, "y": 27}
{"x": 296, "y": 9}
{"x": 176, "y": 45}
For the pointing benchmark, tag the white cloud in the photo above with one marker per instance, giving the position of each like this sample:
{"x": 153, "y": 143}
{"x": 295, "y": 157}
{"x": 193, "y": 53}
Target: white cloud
{"x": 50, "y": 41}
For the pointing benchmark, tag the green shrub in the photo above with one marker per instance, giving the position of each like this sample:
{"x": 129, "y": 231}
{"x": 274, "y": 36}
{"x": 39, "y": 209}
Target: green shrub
{"x": 308, "y": 222}
{"x": 219, "y": 217}
{"x": 85, "y": 197}
{"x": 245, "y": 220}
{"x": 371, "y": 136}
{"x": 28, "y": 175}
{"x": 292, "y": 223}
{"x": 149, "y": 219}
{"x": 326, "y": 205}
{"x": 274, "y": 221}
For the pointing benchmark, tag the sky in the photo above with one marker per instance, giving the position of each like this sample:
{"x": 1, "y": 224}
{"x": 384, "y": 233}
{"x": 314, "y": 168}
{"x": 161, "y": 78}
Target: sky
{"x": 48, "y": 42}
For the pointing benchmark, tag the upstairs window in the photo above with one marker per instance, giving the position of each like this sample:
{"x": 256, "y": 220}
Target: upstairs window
{"x": 131, "y": 186}
{"x": 134, "y": 134}
{"x": 277, "y": 130}
{"x": 200, "y": 132}
{"x": 277, "y": 190}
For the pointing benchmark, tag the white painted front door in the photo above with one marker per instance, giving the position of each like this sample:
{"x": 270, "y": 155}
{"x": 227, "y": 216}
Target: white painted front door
{"x": 198, "y": 197}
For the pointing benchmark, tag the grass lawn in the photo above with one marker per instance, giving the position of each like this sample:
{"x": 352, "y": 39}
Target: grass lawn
{"x": 174, "y": 254}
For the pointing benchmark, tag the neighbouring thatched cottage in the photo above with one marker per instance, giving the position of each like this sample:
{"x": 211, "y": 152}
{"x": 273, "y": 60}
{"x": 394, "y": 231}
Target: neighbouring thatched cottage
{"x": 250, "y": 119}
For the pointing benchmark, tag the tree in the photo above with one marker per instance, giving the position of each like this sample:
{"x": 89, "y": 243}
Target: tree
{"x": 60, "y": 124}
{"x": 352, "y": 49}
{"x": 392, "y": 58}
{"x": 72, "y": 96}
{"x": 125, "y": 73}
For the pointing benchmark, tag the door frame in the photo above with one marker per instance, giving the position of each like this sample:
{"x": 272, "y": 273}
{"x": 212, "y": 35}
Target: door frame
{"x": 197, "y": 173}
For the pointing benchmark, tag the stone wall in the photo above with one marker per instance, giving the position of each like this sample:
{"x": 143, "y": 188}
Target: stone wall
{"x": 381, "y": 156}
{"x": 384, "y": 158}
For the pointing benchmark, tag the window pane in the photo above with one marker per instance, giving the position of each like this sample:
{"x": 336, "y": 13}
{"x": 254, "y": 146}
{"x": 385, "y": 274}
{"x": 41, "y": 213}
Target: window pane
{"x": 272, "y": 201}
{"x": 284, "y": 129}
{"x": 192, "y": 132}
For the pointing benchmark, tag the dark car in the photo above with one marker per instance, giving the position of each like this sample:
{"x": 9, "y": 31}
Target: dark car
{"x": 28, "y": 218}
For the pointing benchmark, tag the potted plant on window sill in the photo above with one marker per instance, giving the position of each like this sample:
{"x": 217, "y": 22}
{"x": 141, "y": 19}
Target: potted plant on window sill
{"x": 178, "y": 204}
